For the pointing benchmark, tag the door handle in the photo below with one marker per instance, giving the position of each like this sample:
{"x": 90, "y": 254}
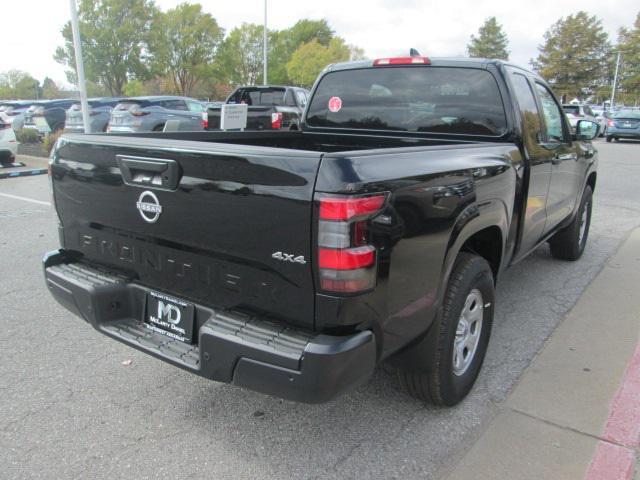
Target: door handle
{"x": 149, "y": 172}
{"x": 560, "y": 157}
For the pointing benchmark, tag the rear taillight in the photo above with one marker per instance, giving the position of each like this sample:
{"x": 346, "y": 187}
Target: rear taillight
{"x": 205, "y": 120}
{"x": 346, "y": 258}
{"x": 611, "y": 123}
{"x": 4, "y": 126}
{"x": 383, "y": 62}
{"x": 276, "y": 121}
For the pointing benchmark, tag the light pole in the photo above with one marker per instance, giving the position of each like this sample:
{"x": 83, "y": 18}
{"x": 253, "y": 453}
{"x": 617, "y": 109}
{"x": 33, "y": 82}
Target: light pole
{"x": 615, "y": 82}
{"x": 264, "y": 46}
{"x": 82, "y": 86}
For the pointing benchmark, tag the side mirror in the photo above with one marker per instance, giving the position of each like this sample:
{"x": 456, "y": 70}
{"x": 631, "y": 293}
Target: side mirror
{"x": 587, "y": 130}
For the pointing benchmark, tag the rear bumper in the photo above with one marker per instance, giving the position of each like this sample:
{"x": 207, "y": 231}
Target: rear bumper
{"x": 232, "y": 347}
{"x": 623, "y": 133}
{"x": 122, "y": 129}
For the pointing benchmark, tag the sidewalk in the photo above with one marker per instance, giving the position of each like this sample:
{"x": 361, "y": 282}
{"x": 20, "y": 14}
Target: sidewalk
{"x": 575, "y": 413}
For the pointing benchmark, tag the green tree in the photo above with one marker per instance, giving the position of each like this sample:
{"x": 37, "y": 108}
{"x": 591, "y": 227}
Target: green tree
{"x": 16, "y": 84}
{"x": 575, "y": 55}
{"x": 184, "y": 44}
{"x": 312, "y": 57}
{"x": 491, "y": 41}
{"x": 50, "y": 89}
{"x": 629, "y": 47}
{"x": 285, "y": 42}
{"x": 239, "y": 59}
{"x": 115, "y": 37}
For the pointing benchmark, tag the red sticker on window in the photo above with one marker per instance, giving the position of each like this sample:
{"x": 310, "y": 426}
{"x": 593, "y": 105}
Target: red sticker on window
{"x": 335, "y": 104}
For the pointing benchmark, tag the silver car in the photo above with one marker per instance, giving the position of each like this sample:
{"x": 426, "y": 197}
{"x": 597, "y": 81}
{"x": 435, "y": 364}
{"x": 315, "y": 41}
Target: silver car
{"x": 15, "y": 110}
{"x": 99, "y": 115}
{"x": 153, "y": 114}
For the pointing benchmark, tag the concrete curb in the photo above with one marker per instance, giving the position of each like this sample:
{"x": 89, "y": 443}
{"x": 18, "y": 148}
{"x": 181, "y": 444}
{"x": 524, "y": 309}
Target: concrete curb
{"x": 556, "y": 423}
{"x": 23, "y": 173}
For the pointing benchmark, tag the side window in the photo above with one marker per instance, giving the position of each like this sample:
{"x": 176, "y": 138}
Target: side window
{"x": 552, "y": 114}
{"x": 195, "y": 107}
{"x": 528, "y": 110}
{"x": 301, "y": 98}
{"x": 174, "y": 105}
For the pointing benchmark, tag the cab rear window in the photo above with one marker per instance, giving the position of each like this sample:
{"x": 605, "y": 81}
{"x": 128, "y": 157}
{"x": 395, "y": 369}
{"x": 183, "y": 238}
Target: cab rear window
{"x": 411, "y": 99}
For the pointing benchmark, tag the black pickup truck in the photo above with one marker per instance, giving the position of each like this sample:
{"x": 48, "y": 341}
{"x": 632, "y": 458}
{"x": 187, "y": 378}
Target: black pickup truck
{"x": 293, "y": 263}
{"x": 268, "y": 107}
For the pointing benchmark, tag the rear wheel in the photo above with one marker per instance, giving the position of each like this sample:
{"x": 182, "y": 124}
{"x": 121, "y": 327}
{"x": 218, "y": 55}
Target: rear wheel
{"x": 158, "y": 128}
{"x": 569, "y": 243}
{"x": 462, "y": 331}
{"x": 609, "y": 138}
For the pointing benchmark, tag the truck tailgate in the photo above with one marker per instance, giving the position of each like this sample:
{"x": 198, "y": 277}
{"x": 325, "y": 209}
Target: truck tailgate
{"x": 197, "y": 220}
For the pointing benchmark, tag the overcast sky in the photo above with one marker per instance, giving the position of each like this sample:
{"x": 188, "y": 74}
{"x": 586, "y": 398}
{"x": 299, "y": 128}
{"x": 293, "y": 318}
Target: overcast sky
{"x": 31, "y": 28}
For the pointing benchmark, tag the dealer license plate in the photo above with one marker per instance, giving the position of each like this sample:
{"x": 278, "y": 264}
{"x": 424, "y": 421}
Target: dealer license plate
{"x": 169, "y": 316}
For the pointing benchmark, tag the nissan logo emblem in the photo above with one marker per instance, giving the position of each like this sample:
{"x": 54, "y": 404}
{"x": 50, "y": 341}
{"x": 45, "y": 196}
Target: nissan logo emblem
{"x": 149, "y": 206}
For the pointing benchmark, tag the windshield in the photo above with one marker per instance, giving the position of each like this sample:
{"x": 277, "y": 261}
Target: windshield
{"x": 412, "y": 99}
{"x": 634, "y": 114}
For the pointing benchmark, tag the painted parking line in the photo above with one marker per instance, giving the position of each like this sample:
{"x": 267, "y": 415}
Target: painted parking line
{"x": 25, "y": 199}
{"x": 23, "y": 173}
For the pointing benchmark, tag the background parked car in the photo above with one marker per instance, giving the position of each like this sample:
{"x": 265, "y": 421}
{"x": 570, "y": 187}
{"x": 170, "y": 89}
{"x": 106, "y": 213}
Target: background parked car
{"x": 99, "y": 113}
{"x": 8, "y": 144}
{"x": 15, "y": 110}
{"x": 269, "y": 107}
{"x": 54, "y": 113}
{"x": 624, "y": 124}
{"x": 578, "y": 112}
{"x": 151, "y": 114}
{"x": 601, "y": 118}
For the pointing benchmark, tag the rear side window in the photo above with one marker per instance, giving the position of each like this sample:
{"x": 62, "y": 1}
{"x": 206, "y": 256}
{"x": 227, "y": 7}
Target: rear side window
{"x": 174, "y": 104}
{"x": 259, "y": 96}
{"x": 528, "y": 109}
{"x": 552, "y": 114}
{"x": 127, "y": 105}
{"x": 413, "y": 99}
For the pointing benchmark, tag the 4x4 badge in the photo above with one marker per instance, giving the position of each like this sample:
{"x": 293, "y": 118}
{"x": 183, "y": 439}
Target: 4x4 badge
{"x": 288, "y": 257}
{"x": 149, "y": 206}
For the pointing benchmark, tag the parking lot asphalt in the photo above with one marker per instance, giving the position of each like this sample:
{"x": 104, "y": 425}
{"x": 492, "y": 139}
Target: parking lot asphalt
{"x": 70, "y": 408}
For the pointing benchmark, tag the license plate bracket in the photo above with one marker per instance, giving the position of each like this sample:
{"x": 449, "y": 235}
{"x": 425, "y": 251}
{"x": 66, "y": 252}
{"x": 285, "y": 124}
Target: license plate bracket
{"x": 169, "y": 316}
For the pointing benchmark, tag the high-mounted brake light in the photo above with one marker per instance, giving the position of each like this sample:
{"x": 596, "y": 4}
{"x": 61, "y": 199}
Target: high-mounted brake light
{"x": 276, "y": 120}
{"x": 346, "y": 258}
{"x": 383, "y": 62}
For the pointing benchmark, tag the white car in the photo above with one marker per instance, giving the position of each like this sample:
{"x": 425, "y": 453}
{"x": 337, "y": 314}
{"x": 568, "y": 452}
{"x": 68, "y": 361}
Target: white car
{"x": 8, "y": 143}
{"x": 576, "y": 113}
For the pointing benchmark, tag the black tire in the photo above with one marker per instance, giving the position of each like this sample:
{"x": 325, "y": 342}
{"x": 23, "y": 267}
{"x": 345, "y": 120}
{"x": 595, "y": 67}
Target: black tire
{"x": 436, "y": 382}
{"x": 158, "y": 128}
{"x": 608, "y": 139}
{"x": 569, "y": 243}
